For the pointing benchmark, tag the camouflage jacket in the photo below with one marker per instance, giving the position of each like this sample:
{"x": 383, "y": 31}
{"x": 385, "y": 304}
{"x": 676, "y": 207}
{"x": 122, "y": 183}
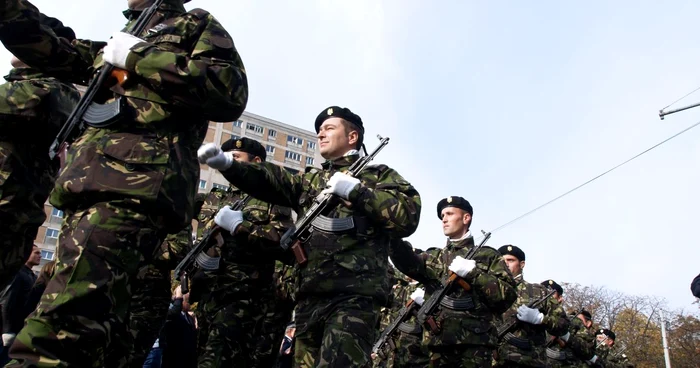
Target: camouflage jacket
{"x": 532, "y": 338}
{"x": 356, "y": 261}
{"x": 578, "y": 349}
{"x": 247, "y": 265}
{"x": 491, "y": 294}
{"x": 185, "y": 72}
{"x": 31, "y": 102}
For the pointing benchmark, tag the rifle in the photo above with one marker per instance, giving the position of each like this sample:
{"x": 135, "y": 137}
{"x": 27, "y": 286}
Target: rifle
{"x": 296, "y": 235}
{"x": 99, "y": 115}
{"x": 406, "y": 311}
{"x": 426, "y": 311}
{"x": 188, "y": 265}
{"x": 507, "y": 327}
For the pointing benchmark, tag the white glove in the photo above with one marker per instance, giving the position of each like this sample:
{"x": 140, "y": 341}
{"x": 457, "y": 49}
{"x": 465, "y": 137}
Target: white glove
{"x": 7, "y": 339}
{"x": 418, "y": 296}
{"x": 228, "y": 218}
{"x": 341, "y": 185}
{"x": 461, "y": 266}
{"x": 118, "y": 49}
{"x": 593, "y": 360}
{"x": 211, "y": 155}
{"x": 530, "y": 315}
{"x": 565, "y": 338}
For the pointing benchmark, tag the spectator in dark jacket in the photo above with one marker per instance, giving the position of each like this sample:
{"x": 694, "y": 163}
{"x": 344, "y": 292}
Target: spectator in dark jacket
{"x": 695, "y": 286}
{"x": 178, "y": 339}
{"x": 40, "y": 285}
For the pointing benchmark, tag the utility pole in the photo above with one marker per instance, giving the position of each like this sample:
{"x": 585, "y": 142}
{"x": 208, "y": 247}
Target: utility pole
{"x": 667, "y": 357}
{"x": 663, "y": 113}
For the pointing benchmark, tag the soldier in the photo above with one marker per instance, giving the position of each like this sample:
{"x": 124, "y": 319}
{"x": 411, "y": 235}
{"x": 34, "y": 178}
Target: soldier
{"x": 524, "y": 345}
{"x": 410, "y": 352}
{"x": 344, "y": 283}
{"x": 240, "y": 285}
{"x": 580, "y": 345}
{"x": 33, "y": 107}
{"x": 559, "y": 291}
{"x": 466, "y": 336}
{"x": 128, "y": 180}
{"x": 603, "y": 351}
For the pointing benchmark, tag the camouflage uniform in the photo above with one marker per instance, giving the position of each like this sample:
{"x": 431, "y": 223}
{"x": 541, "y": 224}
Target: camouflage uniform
{"x": 344, "y": 283}
{"x": 387, "y": 313}
{"x": 578, "y": 349}
{"x": 467, "y": 332}
{"x": 30, "y": 102}
{"x": 524, "y": 346}
{"x": 411, "y": 351}
{"x": 239, "y": 291}
{"x": 151, "y": 294}
{"x": 123, "y": 187}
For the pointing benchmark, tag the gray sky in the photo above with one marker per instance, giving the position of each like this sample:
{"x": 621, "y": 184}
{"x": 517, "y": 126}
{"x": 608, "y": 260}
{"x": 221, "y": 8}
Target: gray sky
{"x": 507, "y": 105}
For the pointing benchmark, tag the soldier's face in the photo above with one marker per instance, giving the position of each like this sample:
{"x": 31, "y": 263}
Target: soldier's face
{"x": 455, "y": 222}
{"x": 244, "y": 157}
{"x": 586, "y": 322}
{"x": 138, "y": 4}
{"x": 334, "y": 140}
{"x": 514, "y": 264}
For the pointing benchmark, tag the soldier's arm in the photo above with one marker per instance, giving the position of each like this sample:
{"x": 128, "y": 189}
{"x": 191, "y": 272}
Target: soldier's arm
{"x": 411, "y": 264}
{"x": 555, "y": 318}
{"x": 211, "y": 79}
{"x": 267, "y": 182}
{"x": 582, "y": 344}
{"x": 492, "y": 281}
{"x": 266, "y": 236}
{"x": 37, "y": 45}
{"x": 178, "y": 245}
{"x": 393, "y": 204}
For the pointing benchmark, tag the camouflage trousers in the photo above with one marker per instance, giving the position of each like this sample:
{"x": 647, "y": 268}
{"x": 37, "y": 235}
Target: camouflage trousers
{"x": 26, "y": 177}
{"x": 81, "y": 319}
{"x": 511, "y": 356}
{"x": 274, "y": 323}
{"x": 150, "y": 299}
{"x": 411, "y": 352}
{"x": 233, "y": 335}
{"x": 460, "y": 356}
{"x": 335, "y": 332}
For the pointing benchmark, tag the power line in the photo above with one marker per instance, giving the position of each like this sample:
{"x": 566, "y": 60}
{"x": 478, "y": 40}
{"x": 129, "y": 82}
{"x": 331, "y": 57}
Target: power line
{"x": 595, "y": 178}
{"x": 693, "y": 91}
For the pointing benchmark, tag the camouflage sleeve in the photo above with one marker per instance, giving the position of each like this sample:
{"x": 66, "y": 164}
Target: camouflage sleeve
{"x": 37, "y": 45}
{"x": 393, "y": 204}
{"x": 492, "y": 280}
{"x": 266, "y": 236}
{"x": 267, "y": 182}
{"x": 582, "y": 343}
{"x": 409, "y": 263}
{"x": 211, "y": 79}
{"x": 179, "y": 244}
{"x": 555, "y": 318}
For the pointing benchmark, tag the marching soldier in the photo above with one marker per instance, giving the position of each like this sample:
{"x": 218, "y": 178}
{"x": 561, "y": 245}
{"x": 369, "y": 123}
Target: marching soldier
{"x": 467, "y": 334}
{"x": 524, "y": 346}
{"x": 579, "y": 346}
{"x": 343, "y": 284}
{"x": 129, "y": 179}
{"x": 241, "y": 278}
{"x": 410, "y": 352}
{"x": 30, "y": 101}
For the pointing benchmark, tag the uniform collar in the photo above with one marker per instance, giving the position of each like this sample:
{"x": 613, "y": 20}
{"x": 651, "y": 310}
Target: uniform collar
{"x": 341, "y": 162}
{"x": 464, "y": 242}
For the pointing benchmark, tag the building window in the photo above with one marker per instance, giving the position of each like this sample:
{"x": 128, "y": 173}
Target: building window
{"x": 311, "y": 145}
{"x": 202, "y": 184}
{"x": 56, "y": 212}
{"x": 255, "y": 129}
{"x": 219, "y": 186}
{"x": 237, "y": 123}
{"x": 292, "y": 156}
{"x": 270, "y": 149}
{"x": 309, "y": 160}
{"x": 271, "y": 134}
{"x": 47, "y": 255}
{"x": 51, "y": 236}
{"x": 294, "y": 141}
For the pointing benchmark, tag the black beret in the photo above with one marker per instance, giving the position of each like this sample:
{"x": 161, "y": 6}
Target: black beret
{"x": 458, "y": 202}
{"x": 513, "y": 251}
{"x": 586, "y": 314}
{"x": 58, "y": 28}
{"x": 606, "y": 332}
{"x": 553, "y": 285}
{"x": 339, "y": 112}
{"x": 245, "y": 145}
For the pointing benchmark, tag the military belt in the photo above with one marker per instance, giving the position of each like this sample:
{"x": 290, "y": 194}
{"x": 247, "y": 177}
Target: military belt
{"x": 333, "y": 225}
{"x": 458, "y": 304}
{"x": 556, "y": 354}
{"x": 410, "y": 328}
{"x": 518, "y": 342}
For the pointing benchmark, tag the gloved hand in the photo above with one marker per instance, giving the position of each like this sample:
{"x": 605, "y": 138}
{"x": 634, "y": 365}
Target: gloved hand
{"x": 593, "y": 360}
{"x": 530, "y": 315}
{"x": 118, "y": 49}
{"x": 212, "y": 155}
{"x": 461, "y": 266}
{"x": 565, "y": 338}
{"x": 341, "y": 185}
{"x": 228, "y": 219}
{"x": 7, "y": 339}
{"x": 418, "y": 296}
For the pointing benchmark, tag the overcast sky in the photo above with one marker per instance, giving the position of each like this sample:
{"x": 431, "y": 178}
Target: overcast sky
{"x": 507, "y": 105}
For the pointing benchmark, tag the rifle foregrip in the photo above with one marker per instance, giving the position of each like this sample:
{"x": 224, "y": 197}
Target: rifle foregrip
{"x": 299, "y": 253}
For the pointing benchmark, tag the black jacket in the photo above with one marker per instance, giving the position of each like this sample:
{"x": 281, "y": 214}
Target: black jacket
{"x": 13, "y": 300}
